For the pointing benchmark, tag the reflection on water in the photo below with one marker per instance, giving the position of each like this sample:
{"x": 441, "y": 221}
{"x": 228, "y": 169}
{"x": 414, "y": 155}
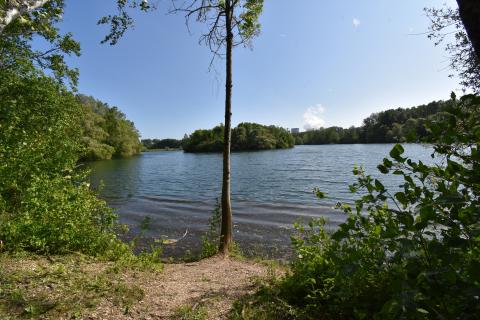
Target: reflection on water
{"x": 270, "y": 189}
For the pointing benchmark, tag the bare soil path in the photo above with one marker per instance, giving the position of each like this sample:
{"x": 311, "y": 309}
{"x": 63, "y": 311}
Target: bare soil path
{"x": 208, "y": 288}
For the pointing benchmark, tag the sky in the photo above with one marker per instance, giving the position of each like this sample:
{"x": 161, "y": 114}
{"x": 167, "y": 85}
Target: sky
{"x": 315, "y": 64}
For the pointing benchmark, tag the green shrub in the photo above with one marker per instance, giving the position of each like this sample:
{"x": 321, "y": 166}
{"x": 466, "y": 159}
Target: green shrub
{"x": 46, "y": 204}
{"x": 414, "y": 254}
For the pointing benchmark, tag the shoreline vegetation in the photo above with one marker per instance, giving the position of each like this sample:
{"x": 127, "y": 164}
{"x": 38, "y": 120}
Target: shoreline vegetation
{"x": 400, "y": 125}
{"x": 162, "y": 149}
{"x": 390, "y": 126}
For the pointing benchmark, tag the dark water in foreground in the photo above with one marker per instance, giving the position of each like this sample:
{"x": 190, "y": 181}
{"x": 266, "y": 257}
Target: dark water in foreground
{"x": 270, "y": 190}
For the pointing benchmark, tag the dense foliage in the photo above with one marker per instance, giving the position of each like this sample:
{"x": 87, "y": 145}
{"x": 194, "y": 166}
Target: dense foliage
{"x": 393, "y": 125}
{"x": 46, "y": 204}
{"x": 411, "y": 253}
{"x": 162, "y": 144}
{"x": 246, "y": 136}
{"x": 106, "y": 131}
{"x": 16, "y": 41}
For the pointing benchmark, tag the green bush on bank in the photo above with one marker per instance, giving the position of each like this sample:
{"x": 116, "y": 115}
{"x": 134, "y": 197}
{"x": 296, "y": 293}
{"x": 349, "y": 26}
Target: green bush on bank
{"x": 409, "y": 254}
{"x": 46, "y": 205}
{"x": 416, "y": 253}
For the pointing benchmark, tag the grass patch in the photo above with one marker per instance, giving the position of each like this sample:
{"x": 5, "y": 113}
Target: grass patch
{"x": 186, "y": 312}
{"x": 62, "y": 286}
{"x": 265, "y": 304}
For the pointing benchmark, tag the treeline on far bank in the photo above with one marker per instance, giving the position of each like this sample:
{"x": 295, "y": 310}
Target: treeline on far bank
{"x": 152, "y": 144}
{"x": 390, "y": 126}
{"x": 246, "y": 136}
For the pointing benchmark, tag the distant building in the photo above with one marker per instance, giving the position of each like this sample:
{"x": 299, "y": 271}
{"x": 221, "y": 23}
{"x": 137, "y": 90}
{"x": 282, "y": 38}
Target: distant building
{"x": 295, "y": 130}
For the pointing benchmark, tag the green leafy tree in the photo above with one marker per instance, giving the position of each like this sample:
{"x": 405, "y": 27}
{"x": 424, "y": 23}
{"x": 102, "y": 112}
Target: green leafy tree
{"x": 11, "y": 10}
{"x": 107, "y": 132}
{"x": 94, "y": 133}
{"x": 28, "y": 11}
{"x": 46, "y": 204}
{"x": 122, "y": 135}
{"x": 20, "y": 22}
{"x": 122, "y": 20}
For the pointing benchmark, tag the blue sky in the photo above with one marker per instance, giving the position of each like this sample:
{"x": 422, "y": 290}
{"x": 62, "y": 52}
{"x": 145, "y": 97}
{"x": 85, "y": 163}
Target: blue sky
{"x": 316, "y": 63}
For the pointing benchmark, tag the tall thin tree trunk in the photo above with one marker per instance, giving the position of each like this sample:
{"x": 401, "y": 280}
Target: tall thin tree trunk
{"x": 470, "y": 15}
{"x": 226, "y": 231}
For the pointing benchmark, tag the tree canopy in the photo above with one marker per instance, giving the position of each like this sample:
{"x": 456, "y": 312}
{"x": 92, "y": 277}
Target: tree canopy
{"x": 23, "y": 20}
{"x": 46, "y": 204}
{"x": 36, "y": 21}
{"x": 107, "y": 132}
{"x": 393, "y": 125}
{"x": 162, "y": 144}
{"x": 246, "y": 136}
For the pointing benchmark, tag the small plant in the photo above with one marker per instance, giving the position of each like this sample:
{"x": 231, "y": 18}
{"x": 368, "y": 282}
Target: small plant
{"x": 211, "y": 239}
{"x": 196, "y": 312}
{"x": 236, "y": 252}
{"x": 145, "y": 224}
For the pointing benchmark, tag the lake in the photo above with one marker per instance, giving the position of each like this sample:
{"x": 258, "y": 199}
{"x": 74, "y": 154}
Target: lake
{"x": 270, "y": 190}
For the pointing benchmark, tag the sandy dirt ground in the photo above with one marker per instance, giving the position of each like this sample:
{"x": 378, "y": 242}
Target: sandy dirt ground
{"x": 212, "y": 284}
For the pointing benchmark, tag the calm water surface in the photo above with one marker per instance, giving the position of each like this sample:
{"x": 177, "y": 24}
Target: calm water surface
{"x": 270, "y": 189}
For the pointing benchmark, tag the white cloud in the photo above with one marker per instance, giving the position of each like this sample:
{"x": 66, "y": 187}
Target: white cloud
{"x": 313, "y": 117}
{"x": 356, "y": 22}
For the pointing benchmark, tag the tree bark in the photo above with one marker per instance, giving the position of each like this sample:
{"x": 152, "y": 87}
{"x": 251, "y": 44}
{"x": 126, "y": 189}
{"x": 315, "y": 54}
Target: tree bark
{"x": 226, "y": 234}
{"x": 470, "y": 15}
